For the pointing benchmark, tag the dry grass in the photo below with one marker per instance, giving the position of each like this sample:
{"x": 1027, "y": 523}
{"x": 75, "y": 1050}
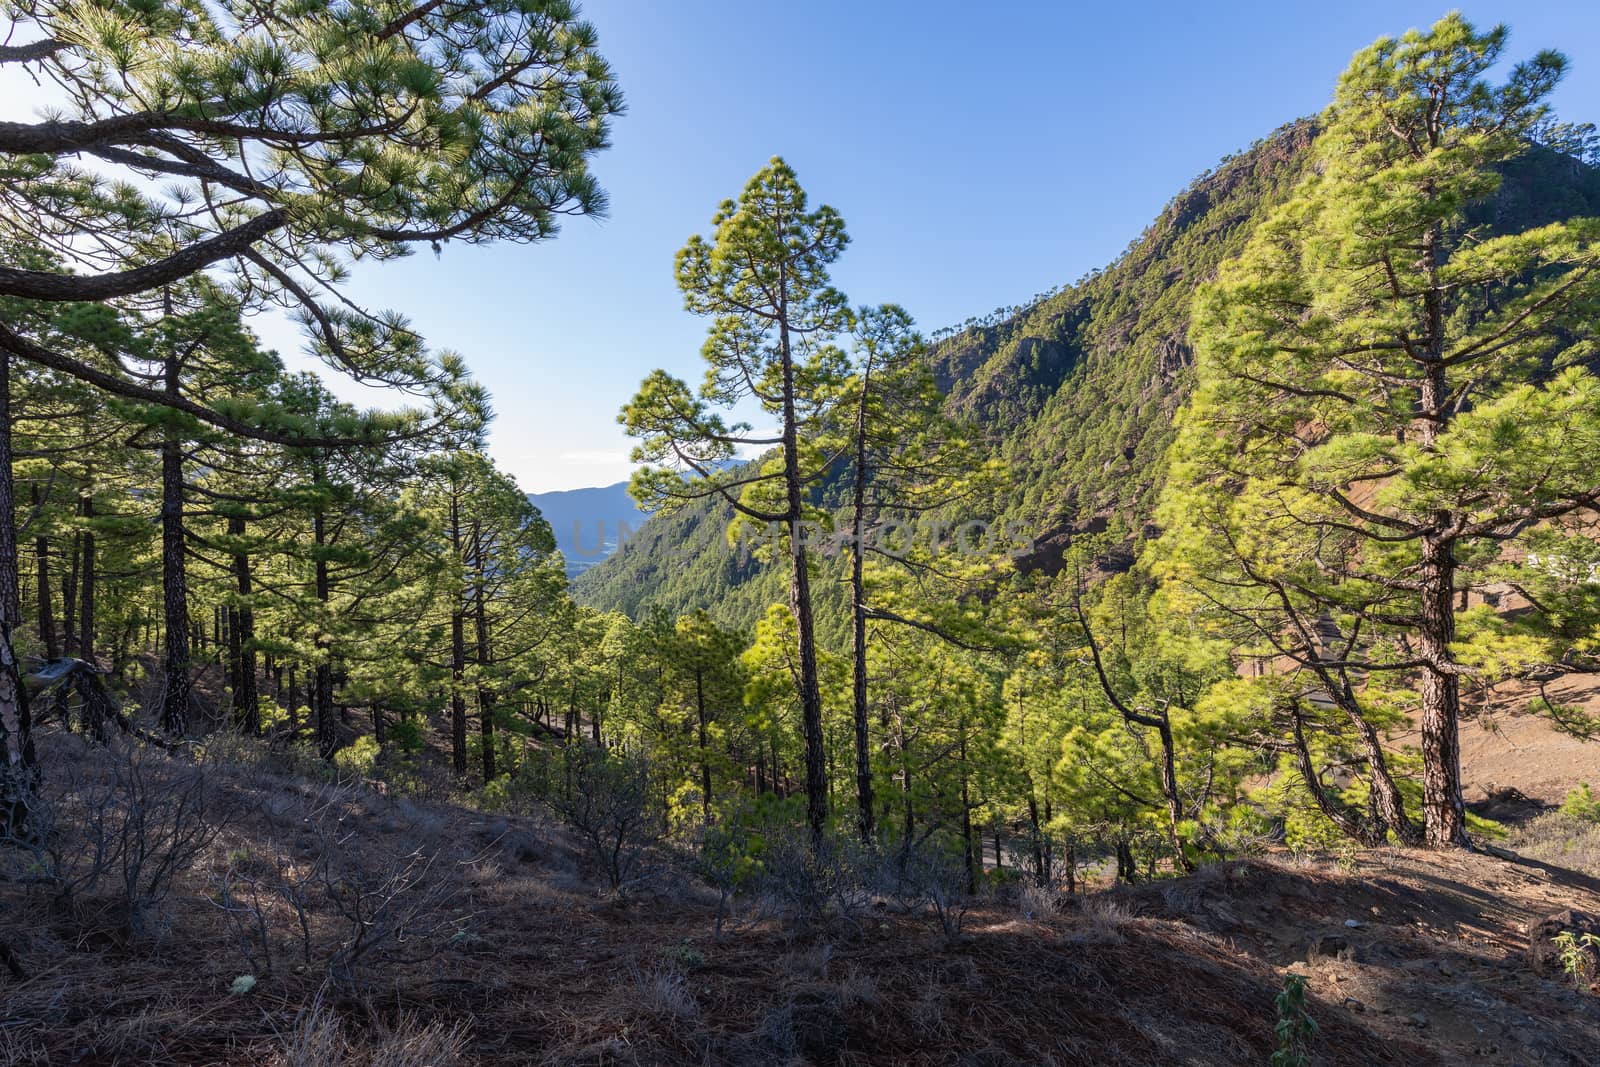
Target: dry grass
{"x": 548, "y": 967}
{"x": 1560, "y": 839}
{"x": 320, "y": 1038}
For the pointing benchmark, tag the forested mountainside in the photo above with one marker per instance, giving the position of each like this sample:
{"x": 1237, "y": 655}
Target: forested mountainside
{"x": 1075, "y": 391}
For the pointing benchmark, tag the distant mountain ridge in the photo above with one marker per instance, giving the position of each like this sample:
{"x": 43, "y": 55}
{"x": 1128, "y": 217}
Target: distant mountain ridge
{"x": 589, "y": 522}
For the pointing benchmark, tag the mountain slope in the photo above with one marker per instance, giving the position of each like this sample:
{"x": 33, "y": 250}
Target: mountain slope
{"x": 1076, "y": 391}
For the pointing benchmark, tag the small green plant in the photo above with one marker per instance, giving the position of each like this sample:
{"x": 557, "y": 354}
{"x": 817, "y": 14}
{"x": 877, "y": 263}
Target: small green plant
{"x": 359, "y": 759}
{"x": 1578, "y": 953}
{"x": 1581, "y": 803}
{"x": 685, "y": 955}
{"x": 1296, "y": 1029}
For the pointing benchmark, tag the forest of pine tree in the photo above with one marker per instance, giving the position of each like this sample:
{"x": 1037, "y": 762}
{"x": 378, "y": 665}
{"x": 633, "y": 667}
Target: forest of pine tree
{"x": 1047, "y": 628}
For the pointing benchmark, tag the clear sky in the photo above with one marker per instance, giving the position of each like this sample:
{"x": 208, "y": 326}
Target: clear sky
{"x": 978, "y": 152}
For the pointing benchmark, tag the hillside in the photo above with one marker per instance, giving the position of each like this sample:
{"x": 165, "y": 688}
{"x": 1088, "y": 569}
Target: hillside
{"x": 455, "y": 937}
{"x": 1075, "y": 391}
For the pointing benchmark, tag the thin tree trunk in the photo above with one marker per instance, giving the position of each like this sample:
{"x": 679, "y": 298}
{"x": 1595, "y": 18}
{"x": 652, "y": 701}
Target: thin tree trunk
{"x": 293, "y": 708}
{"x": 458, "y": 651}
{"x": 1041, "y": 873}
{"x": 858, "y": 620}
{"x": 705, "y": 754}
{"x": 19, "y": 771}
{"x": 1443, "y": 806}
{"x": 174, "y": 578}
{"x": 246, "y": 702}
{"x": 69, "y": 597}
{"x": 1330, "y": 808}
{"x": 967, "y": 844}
{"x": 41, "y": 558}
{"x": 484, "y": 657}
{"x": 86, "y": 582}
{"x": 322, "y": 674}
{"x": 800, "y": 596}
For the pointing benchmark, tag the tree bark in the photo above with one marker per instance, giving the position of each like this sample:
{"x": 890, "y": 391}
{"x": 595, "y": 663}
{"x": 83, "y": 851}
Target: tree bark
{"x": 1443, "y": 806}
{"x": 858, "y": 624}
{"x": 19, "y": 765}
{"x": 86, "y": 582}
{"x": 458, "y": 651}
{"x": 69, "y": 596}
{"x": 800, "y": 603}
{"x": 485, "y": 658}
{"x": 705, "y": 755}
{"x": 41, "y": 558}
{"x": 174, "y": 578}
{"x": 966, "y": 815}
{"x": 246, "y": 701}
{"x": 322, "y": 673}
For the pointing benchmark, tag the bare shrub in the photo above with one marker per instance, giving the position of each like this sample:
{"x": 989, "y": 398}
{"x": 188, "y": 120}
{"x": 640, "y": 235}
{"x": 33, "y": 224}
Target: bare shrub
{"x": 390, "y": 909}
{"x": 723, "y": 858}
{"x": 608, "y": 798}
{"x": 808, "y": 963}
{"x": 114, "y": 826}
{"x": 808, "y": 886}
{"x": 917, "y": 878}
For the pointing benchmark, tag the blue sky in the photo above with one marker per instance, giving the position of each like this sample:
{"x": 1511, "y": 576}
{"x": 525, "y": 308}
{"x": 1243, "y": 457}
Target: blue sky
{"x": 979, "y": 154}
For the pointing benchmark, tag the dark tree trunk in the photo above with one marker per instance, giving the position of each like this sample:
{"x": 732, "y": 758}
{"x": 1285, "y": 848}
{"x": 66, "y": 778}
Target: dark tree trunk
{"x": 174, "y": 579}
{"x": 86, "y": 578}
{"x": 858, "y": 636}
{"x": 969, "y": 848}
{"x": 293, "y": 708}
{"x": 19, "y": 768}
{"x": 246, "y": 701}
{"x": 458, "y": 654}
{"x": 480, "y": 622}
{"x": 800, "y": 603}
{"x": 1443, "y": 807}
{"x": 705, "y": 750}
{"x": 1041, "y": 872}
{"x": 322, "y": 674}
{"x": 41, "y": 561}
{"x": 69, "y": 597}
{"x": 1127, "y": 870}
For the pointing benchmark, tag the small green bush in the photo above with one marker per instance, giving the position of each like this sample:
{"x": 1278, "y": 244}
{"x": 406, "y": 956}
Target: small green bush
{"x": 1581, "y": 803}
{"x": 358, "y": 759}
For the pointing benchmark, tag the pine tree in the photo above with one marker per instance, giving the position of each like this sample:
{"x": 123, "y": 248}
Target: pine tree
{"x": 380, "y": 127}
{"x": 763, "y": 281}
{"x": 1389, "y": 397}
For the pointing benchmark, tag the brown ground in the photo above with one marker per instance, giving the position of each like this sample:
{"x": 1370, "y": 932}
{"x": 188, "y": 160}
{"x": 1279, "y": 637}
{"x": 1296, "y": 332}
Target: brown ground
{"x": 537, "y": 966}
{"x": 1503, "y": 745}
